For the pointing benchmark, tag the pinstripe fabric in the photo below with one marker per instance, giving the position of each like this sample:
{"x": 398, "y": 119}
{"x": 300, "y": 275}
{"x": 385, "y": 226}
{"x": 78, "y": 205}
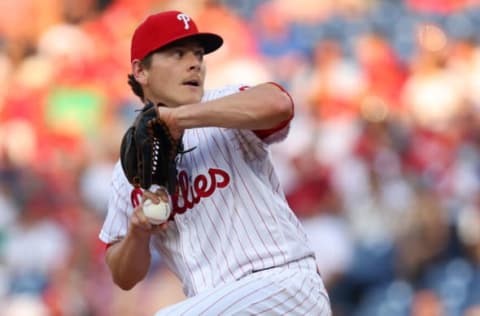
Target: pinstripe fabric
{"x": 286, "y": 290}
{"x": 231, "y": 220}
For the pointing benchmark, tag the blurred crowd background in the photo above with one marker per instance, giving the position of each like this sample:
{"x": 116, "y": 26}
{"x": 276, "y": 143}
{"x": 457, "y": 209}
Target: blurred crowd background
{"x": 382, "y": 164}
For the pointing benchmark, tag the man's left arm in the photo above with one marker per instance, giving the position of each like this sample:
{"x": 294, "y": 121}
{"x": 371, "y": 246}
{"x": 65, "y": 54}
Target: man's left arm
{"x": 262, "y": 107}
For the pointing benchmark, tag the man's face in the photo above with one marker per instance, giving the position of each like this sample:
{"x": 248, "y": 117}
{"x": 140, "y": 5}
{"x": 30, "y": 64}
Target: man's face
{"x": 176, "y": 74}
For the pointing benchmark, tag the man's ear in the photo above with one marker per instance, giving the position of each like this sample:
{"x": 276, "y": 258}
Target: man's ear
{"x": 139, "y": 71}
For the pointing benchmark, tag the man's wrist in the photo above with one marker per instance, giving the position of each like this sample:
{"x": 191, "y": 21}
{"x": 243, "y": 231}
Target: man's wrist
{"x": 139, "y": 234}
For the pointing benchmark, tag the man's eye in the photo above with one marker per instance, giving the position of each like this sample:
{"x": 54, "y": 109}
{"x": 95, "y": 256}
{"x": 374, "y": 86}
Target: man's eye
{"x": 179, "y": 53}
{"x": 199, "y": 54}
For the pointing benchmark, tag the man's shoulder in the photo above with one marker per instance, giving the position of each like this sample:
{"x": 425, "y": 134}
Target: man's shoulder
{"x": 212, "y": 94}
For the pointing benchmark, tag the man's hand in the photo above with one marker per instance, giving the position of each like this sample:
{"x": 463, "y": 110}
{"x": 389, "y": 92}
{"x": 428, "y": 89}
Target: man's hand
{"x": 140, "y": 223}
{"x": 167, "y": 115}
{"x": 129, "y": 258}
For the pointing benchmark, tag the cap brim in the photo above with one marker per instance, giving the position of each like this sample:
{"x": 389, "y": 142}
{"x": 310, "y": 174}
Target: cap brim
{"x": 209, "y": 41}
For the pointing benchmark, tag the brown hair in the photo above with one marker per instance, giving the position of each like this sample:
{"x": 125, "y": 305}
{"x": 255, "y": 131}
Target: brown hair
{"x": 134, "y": 84}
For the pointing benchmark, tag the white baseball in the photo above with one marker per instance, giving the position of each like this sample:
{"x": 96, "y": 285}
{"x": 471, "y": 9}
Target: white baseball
{"x": 156, "y": 213}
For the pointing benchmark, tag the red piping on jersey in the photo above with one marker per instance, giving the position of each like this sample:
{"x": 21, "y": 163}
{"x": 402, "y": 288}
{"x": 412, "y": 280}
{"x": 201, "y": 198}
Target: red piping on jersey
{"x": 264, "y": 133}
{"x": 136, "y": 196}
{"x": 110, "y": 244}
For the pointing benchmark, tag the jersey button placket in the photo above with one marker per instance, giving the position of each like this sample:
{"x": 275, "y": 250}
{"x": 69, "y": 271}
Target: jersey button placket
{"x": 185, "y": 232}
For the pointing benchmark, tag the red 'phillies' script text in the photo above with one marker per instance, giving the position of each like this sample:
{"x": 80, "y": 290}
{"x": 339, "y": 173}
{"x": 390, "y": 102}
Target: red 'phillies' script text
{"x": 203, "y": 186}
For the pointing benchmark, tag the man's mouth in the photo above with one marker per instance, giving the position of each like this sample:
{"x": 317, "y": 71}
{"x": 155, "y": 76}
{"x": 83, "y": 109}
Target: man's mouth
{"x": 193, "y": 83}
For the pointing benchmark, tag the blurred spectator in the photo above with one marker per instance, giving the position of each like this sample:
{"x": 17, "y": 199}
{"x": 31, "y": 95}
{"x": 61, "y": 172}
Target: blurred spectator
{"x": 336, "y": 84}
{"x": 385, "y": 74}
{"x": 433, "y": 95}
{"x": 437, "y": 6}
{"x": 238, "y": 57}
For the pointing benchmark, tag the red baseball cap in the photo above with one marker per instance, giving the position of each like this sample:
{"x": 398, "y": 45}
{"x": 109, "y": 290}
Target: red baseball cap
{"x": 166, "y": 27}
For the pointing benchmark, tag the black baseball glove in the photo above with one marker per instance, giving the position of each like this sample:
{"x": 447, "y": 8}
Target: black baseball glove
{"x": 148, "y": 152}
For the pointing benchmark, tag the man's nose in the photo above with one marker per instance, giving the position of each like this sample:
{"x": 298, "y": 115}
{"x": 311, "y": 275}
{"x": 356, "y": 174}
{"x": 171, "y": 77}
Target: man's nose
{"x": 194, "y": 62}
{"x": 195, "y": 66}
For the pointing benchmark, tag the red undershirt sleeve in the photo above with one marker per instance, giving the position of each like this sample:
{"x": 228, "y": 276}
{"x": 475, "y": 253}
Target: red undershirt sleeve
{"x": 264, "y": 133}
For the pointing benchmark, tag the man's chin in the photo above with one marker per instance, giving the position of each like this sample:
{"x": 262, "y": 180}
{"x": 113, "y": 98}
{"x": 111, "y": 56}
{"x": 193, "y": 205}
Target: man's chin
{"x": 189, "y": 99}
{"x": 182, "y": 99}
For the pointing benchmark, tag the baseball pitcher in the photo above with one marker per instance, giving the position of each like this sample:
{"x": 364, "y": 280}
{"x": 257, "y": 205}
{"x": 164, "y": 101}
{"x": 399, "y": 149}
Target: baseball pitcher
{"x": 195, "y": 182}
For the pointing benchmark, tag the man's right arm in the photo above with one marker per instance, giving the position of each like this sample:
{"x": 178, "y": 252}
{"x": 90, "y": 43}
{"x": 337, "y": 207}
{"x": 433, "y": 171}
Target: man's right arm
{"x": 129, "y": 258}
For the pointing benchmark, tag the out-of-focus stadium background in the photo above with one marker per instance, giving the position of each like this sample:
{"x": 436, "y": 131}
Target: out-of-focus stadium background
{"x": 382, "y": 164}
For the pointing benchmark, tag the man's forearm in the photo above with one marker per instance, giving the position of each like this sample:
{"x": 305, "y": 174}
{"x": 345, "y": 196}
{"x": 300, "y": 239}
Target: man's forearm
{"x": 129, "y": 260}
{"x": 260, "y": 107}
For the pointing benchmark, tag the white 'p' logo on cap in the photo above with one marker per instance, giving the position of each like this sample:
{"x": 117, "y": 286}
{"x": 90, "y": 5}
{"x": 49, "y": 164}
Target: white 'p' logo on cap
{"x": 185, "y": 18}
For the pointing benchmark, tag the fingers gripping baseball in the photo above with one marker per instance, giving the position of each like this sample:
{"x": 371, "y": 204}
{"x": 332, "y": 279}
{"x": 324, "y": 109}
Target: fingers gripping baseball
{"x": 144, "y": 218}
{"x": 139, "y": 222}
{"x": 157, "y": 206}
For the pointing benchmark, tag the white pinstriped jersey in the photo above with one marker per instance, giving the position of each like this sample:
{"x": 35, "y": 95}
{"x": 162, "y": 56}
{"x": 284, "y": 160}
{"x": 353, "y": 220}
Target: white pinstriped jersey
{"x": 231, "y": 214}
